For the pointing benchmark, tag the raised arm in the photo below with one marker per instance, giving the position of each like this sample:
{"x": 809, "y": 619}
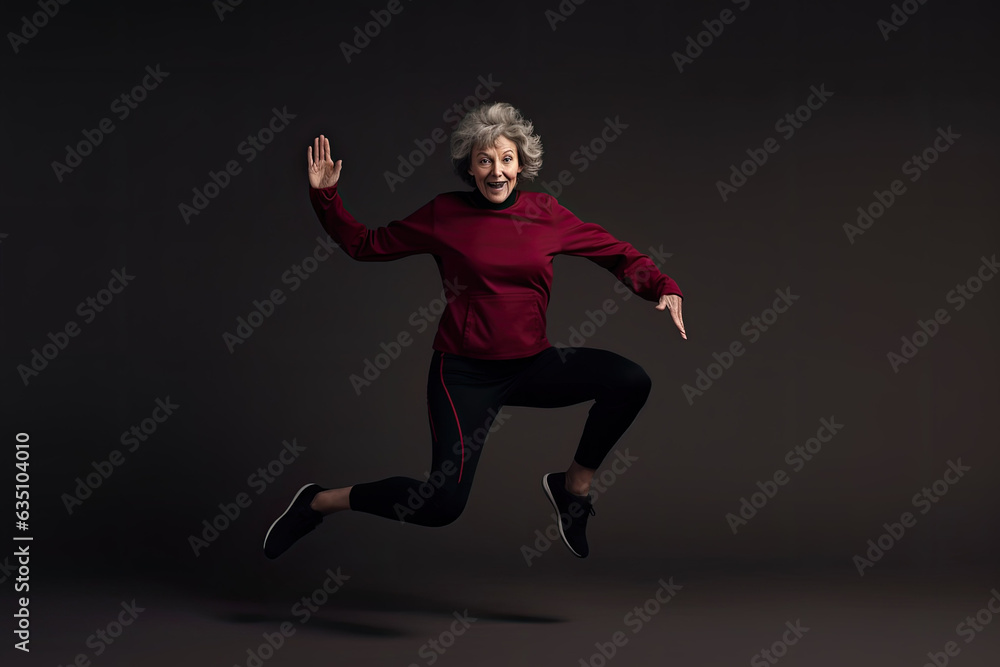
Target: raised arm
{"x": 400, "y": 238}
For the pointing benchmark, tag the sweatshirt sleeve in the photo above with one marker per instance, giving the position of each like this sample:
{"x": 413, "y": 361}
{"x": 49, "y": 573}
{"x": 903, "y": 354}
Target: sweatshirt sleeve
{"x": 400, "y": 238}
{"x": 636, "y": 270}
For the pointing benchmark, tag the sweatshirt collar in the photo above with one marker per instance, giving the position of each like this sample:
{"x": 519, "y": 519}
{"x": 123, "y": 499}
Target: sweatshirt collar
{"x": 480, "y": 201}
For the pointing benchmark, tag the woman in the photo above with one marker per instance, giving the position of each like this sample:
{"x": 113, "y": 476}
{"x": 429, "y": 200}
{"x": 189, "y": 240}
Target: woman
{"x": 497, "y": 243}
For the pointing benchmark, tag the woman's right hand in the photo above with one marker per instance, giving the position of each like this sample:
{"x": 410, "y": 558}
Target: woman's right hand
{"x": 323, "y": 172}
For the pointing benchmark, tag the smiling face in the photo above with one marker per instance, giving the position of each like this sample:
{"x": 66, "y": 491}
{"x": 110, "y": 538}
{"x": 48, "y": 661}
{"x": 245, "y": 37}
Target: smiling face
{"x": 495, "y": 169}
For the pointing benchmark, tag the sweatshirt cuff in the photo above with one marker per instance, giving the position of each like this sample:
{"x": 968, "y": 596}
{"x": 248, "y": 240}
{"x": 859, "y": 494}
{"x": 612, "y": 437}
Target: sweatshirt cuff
{"x": 670, "y": 286}
{"x": 324, "y": 193}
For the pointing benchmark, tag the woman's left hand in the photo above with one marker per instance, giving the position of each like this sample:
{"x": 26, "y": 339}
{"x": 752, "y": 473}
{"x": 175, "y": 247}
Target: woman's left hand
{"x": 673, "y": 302}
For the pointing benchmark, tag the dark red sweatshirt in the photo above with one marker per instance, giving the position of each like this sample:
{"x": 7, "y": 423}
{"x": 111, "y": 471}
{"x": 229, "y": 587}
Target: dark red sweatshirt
{"x": 495, "y": 261}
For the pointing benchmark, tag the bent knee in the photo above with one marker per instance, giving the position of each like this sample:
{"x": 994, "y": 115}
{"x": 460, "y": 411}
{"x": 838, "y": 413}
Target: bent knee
{"x": 636, "y": 381}
{"x": 447, "y": 510}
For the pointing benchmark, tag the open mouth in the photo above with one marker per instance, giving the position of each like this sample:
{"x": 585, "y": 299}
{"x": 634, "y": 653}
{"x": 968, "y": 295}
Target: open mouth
{"x": 496, "y": 185}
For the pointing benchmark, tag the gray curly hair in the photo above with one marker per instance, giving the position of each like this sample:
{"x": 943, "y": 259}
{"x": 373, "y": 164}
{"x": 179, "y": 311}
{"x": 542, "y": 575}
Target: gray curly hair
{"x": 483, "y": 126}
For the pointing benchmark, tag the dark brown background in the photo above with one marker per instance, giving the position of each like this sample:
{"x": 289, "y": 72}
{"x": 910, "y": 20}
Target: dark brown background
{"x": 654, "y": 186}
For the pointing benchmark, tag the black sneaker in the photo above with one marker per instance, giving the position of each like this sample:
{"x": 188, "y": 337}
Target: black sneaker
{"x": 573, "y": 512}
{"x": 298, "y": 520}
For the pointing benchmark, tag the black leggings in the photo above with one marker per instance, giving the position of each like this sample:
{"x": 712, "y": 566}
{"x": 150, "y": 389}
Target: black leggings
{"x": 464, "y": 397}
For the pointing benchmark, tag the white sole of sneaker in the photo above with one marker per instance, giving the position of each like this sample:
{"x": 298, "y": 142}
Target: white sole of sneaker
{"x": 548, "y": 493}
{"x": 290, "y": 505}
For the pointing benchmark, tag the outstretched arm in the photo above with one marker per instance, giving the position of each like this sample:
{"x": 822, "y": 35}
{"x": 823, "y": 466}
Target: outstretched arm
{"x": 636, "y": 270}
{"x": 400, "y": 238}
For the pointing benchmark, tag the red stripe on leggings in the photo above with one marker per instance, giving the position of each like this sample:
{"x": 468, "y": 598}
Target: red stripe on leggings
{"x": 461, "y": 439}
